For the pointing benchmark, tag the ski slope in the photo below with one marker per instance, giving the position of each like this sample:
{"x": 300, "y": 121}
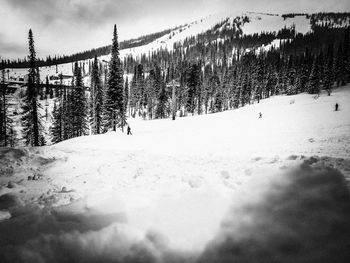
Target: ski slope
{"x": 169, "y": 188}
{"x": 273, "y": 23}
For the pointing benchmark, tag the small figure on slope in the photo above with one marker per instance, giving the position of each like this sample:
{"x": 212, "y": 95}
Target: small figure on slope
{"x": 260, "y": 115}
{"x": 336, "y": 107}
{"x": 129, "y": 130}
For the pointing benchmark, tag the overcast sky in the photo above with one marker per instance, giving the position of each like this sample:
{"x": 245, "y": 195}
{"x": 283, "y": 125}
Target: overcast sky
{"x": 69, "y": 26}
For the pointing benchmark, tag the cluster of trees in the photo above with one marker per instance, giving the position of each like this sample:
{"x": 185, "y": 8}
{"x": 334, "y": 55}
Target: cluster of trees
{"x": 70, "y": 111}
{"x": 220, "y": 76}
{"x": 218, "y": 70}
{"x": 7, "y": 132}
{"x": 78, "y": 112}
{"x": 329, "y": 19}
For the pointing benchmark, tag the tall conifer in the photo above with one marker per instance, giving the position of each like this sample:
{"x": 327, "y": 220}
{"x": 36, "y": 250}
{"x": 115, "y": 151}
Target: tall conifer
{"x": 32, "y": 127}
{"x": 114, "y": 96}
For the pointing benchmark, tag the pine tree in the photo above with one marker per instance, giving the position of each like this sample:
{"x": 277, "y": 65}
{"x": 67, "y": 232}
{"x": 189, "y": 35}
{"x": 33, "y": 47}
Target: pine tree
{"x": 32, "y": 127}
{"x": 162, "y": 102}
{"x": 68, "y": 109}
{"x": 270, "y": 82}
{"x": 298, "y": 86}
{"x": 193, "y": 82}
{"x": 258, "y": 79}
{"x": 65, "y": 114}
{"x": 79, "y": 106}
{"x": 216, "y": 102}
{"x": 133, "y": 95}
{"x": 126, "y": 94}
{"x": 219, "y": 99}
{"x": 245, "y": 90}
{"x": 3, "y": 112}
{"x": 346, "y": 53}
{"x": 7, "y": 133}
{"x": 291, "y": 77}
{"x": 237, "y": 91}
{"x": 200, "y": 89}
{"x": 114, "y": 96}
{"x": 303, "y": 76}
{"x": 314, "y": 80}
{"x": 140, "y": 82}
{"x": 153, "y": 89}
{"x": 340, "y": 73}
{"x": 207, "y": 86}
{"x": 56, "y": 129}
{"x": 96, "y": 98}
{"x": 328, "y": 79}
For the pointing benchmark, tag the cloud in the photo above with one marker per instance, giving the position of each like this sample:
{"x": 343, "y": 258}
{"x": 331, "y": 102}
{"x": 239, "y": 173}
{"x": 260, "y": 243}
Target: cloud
{"x": 94, "y": 13}
{"x": 69, "y": 26}
{"x": 7, "y": 47}
{"x": 47, "y": 12}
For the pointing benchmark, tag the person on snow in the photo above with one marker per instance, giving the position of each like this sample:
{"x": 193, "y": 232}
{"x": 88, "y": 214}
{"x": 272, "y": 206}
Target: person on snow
{"x": 336, "y": 107}
{"x": 129, "y": 130}
{"x": 260, "y": 115}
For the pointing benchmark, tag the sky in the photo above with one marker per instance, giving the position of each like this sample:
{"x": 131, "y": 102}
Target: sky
{"x": 69, "y": 26}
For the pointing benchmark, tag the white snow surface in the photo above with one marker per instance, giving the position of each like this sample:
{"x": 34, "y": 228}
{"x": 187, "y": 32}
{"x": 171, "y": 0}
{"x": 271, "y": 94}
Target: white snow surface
{"x": 180, "y": 178}
{"x": 272, "y": 23}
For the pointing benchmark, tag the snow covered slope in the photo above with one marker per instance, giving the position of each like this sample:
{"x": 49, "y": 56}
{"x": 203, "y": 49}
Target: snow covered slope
{"x": 169, "y": 187}
{"x": 273, "y": 23}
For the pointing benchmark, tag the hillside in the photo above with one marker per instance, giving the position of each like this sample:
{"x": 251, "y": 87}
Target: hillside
{"x": 248, "y": 23}
{"x": 166, "y": 190}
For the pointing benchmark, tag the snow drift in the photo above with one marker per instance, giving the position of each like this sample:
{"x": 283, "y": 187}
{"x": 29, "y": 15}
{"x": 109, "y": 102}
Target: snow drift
{"x": 303, "y": 218}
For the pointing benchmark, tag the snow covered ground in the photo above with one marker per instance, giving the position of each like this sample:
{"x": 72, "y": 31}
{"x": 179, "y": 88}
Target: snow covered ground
{"x": 185, "y": 190}
{"x": 273, "y": 23}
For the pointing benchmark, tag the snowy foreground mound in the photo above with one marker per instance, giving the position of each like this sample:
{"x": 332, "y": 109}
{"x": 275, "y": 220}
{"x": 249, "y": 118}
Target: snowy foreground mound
{"x": 226, "y": 187}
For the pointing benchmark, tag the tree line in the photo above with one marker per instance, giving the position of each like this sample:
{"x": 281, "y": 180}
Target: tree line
{"x": 213, "y": 75}
{"x": 76, "y": 111}
{"x": 217, "y": 76}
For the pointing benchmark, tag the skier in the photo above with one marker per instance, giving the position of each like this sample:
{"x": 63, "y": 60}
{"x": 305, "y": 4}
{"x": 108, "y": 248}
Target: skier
{"x": 336, "y": 107}
{"x": 129, "y": 130}
{"x": 260, "y": 115}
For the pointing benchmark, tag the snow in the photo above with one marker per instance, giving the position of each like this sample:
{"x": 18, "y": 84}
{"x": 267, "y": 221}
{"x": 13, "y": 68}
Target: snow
{"x": 274, "y": 44}
{"x": 179, "y": 35}
{"x": 4, "y": 215}
{"x": 176, "y": 180}
{"x": 271, "y": 23}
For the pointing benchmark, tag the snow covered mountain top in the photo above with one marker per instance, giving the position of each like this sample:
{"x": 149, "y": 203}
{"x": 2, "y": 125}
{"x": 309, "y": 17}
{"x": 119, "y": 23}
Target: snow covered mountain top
{"x": 257, "y": 23}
